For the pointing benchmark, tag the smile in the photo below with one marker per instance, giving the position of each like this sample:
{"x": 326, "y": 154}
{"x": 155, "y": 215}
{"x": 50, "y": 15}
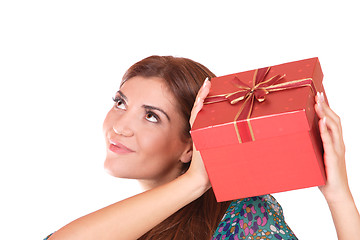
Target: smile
{"x": 118, "y": 148}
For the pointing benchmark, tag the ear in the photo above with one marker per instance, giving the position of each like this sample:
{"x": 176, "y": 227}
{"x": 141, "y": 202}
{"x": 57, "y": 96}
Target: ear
{"x": 186, "y": 156}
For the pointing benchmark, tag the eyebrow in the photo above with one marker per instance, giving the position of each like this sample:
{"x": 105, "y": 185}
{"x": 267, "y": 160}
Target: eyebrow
{"x": 123, "y": 95}
{"x": 156, "y": 108}
{"x": 149, "y": 107}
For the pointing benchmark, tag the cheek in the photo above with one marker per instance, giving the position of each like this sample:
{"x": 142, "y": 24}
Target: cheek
{"x": 154, "y": 142}
{"x": 161, "y": 145}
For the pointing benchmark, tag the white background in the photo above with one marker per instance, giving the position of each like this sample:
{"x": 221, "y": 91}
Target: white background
{"x": 62, "y": 61}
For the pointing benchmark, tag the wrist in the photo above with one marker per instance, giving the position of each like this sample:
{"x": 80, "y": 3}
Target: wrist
{"x": 339, "y": 197}
{"x": 199, "y": 183}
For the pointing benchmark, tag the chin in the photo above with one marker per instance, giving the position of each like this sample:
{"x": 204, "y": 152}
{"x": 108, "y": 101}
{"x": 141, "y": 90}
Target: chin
{"x": 117, "y": 171}
{"x": 109, "y": 169}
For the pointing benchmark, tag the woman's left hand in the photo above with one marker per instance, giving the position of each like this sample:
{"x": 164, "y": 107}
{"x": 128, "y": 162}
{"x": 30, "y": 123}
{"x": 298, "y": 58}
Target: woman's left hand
{"x": 336, "y": 187}
{"x": 336, "y": 190}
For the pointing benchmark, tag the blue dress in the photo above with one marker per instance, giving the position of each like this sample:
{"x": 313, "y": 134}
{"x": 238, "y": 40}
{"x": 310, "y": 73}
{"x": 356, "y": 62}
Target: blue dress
{"x": 258, "y": 217}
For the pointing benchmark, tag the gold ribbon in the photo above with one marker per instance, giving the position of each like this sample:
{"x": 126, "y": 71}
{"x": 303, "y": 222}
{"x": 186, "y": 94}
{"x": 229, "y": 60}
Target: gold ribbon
{"x": 260, "y": 88}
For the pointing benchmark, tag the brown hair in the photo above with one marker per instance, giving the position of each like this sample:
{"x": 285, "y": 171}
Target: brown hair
{"x": 184, "y": 77}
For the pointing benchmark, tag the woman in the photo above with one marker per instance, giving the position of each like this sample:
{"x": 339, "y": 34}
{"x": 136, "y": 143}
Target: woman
{"x": 147, "y": 138}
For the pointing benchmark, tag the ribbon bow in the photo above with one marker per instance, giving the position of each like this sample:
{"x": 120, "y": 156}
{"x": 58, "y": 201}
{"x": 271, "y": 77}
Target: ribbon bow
{"x": 258, "y": 91}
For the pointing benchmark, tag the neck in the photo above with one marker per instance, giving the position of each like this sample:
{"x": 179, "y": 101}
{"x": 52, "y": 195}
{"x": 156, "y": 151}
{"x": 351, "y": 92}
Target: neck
{"x": 147, "y": 184}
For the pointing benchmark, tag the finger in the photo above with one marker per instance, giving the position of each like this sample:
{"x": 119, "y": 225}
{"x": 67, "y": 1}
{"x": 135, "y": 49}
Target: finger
{"x": 333, "y": 121}
{"x": 318, "y": 109}
{"x": 199, "y": 101}
{"x": 329, "y": 113}
{"x": 195, "y": 112}
{"x": 333, "y": 128}
{"x": 203, "y": 92}
{"x": 332, "y": 124}
{"x": 326, "y": 137}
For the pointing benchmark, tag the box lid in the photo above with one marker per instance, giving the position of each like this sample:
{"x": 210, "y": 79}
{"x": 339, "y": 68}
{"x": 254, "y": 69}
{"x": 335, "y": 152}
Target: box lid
{"x": 282, "y": 112}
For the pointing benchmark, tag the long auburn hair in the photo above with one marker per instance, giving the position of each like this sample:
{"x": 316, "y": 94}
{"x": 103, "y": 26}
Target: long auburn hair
{"x": 184, "y": 77}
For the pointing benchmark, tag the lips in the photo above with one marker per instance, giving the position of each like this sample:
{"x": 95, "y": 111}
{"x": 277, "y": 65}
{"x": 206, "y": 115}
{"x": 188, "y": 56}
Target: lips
{"x": 119, "y": 148}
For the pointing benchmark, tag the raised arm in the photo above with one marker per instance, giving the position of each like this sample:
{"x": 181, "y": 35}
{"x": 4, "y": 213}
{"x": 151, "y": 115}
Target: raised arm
{"x": 133, "y": 217}
{"x": 336, "y": 190}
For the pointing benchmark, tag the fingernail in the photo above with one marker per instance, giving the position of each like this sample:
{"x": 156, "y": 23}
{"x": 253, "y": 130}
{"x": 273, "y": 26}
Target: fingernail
{"x": 322, "y": 97}
{"x": 324, "y": 120}
{"x": 206, "y": 81}
{"x": 318, "y": 97}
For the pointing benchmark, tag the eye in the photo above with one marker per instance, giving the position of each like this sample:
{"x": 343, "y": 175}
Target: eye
{"x": 151, "y": 117}
{"x": 119, "y": 103}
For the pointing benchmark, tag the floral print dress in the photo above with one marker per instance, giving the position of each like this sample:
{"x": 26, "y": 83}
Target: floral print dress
{"x": 258, "y": 217}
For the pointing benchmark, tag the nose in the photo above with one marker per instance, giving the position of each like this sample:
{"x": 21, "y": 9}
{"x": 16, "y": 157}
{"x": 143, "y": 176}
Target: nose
{"x": 123, "y": 131}
{"x": 122, "y": 126}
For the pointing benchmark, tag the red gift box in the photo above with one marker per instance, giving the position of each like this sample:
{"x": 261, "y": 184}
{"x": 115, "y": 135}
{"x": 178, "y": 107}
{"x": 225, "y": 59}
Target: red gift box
{"x": 258, "y": 132}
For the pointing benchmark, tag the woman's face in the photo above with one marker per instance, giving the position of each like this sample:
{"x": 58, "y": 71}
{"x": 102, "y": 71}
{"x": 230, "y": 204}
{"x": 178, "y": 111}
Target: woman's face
{"x": 143, "y": 133}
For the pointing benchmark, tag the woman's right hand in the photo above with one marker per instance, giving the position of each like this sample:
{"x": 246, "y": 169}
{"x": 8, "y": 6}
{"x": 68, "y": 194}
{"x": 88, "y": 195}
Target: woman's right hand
{"x": 197, "y": 168}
